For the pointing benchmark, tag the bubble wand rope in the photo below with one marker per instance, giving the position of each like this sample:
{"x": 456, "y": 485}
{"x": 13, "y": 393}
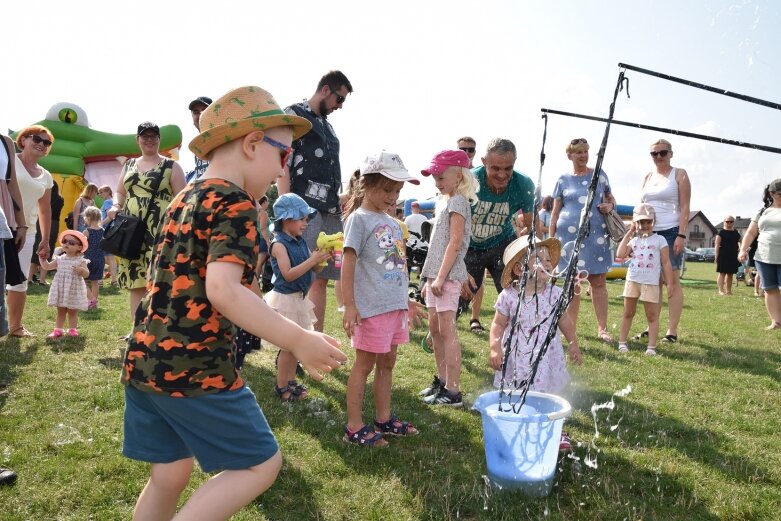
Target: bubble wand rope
{"x": 571, "y": 271}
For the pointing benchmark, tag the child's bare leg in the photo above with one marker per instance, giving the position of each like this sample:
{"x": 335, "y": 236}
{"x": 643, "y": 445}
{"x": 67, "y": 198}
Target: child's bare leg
{"x": 652, "y": 315}
{"x": 338, "y": 293}
{"x": 61, "y": 314}
{"x": 630, "y": 308}
{"x": 437, "y": 342}
{"x": 383, "y": 381}
{"x": 95, "y": 289}
{"x": 161, "y": 494}
{"x": 229, "y": 491}
{"x": 356, "y": 387}
{"x": 73, "y": 318}
{"x": 286, "y": 371}
{"x": 452, "y": 351}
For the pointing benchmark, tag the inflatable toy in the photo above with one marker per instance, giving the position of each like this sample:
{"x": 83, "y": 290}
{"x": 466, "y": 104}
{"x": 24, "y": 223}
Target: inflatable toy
{"x": 82, "y": 155}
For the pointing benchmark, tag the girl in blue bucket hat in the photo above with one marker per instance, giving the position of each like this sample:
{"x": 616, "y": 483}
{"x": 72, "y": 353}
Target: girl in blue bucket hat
{"x": 294, "y": 268}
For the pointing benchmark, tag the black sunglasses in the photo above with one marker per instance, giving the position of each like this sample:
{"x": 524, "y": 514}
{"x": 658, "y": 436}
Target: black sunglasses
{"x": 729, "y": 222}
{"x": 468, "y": 150}
{"x": 339, "y": 98}
{"x": 578, "y": 141}
{"x": 661, "y": 153}
{"x": 38, "y": 140}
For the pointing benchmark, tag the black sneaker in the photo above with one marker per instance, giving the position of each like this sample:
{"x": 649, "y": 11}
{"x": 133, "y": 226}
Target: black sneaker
{"x": 7, "y": 476}
{"x": 432, "y": 389}
{"x": 446, "y": 398}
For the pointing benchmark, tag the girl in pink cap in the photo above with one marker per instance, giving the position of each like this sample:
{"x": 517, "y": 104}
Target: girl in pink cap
{"x": 68, "y": 291}
{"x": 445, "y": 270}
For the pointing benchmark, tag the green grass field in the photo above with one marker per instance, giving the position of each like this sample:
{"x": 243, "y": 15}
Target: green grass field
{"x": 694, "y": 440}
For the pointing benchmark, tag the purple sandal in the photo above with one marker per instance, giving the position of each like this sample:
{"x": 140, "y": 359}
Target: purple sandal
{"x": 395, "y": 427}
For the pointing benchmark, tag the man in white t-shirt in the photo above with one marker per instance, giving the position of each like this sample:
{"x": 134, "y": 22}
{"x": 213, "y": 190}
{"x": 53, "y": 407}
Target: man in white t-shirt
{"x": 416, "y": 219}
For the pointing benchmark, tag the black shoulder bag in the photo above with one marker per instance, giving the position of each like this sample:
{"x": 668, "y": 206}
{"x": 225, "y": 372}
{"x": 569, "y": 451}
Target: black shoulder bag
{"x": 125, "y": 235}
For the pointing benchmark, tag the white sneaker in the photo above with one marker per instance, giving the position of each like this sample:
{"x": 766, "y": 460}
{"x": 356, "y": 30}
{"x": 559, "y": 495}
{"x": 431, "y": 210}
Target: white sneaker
{"x": 650, "y": 351}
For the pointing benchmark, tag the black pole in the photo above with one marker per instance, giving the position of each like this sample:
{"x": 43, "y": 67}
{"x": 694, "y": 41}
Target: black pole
{"x": 724, "y": 141}
{"x": 723, "y": 92}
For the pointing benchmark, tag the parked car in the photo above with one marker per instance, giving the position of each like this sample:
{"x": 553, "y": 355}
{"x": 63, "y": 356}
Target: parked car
{"x": 693, "y": 256}
{"x": 708, "y": 254}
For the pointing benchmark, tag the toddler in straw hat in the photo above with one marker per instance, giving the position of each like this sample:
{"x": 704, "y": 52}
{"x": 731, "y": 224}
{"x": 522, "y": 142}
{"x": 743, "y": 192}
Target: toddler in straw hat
{"x": 649, "y": 259}
{"x": 522, "y": 323}
{"x": 183, "y": 397}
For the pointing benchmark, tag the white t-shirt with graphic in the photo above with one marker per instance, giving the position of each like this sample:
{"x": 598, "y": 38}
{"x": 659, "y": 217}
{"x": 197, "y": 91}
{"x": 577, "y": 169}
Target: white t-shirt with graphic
{"x": 646, "y": 264}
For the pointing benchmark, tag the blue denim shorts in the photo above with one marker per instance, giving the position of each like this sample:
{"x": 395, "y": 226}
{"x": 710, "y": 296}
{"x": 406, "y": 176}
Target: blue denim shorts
{"x": 669, "y": 235}
{"x": 223, "y": 431}
{"x": 769, "y": 274}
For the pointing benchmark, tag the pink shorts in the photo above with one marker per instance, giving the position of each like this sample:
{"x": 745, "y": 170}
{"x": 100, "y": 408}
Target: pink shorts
{"x": 378, "y": 333}
{"x": 451, "y": 291}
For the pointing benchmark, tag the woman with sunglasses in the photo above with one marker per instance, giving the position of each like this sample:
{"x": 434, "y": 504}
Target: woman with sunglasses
{"x": 668, "y": 191}
{"x": 35, "y": 184}
{"x": 726, "y": 261}
{"x": 569, "y": 196}
{"x": 146, "y": 187}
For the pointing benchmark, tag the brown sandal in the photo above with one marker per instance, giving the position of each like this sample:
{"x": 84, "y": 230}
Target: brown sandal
{"x": 21, "y": 332}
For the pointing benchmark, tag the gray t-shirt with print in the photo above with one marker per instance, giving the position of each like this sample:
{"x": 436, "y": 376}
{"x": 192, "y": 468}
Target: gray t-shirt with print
{"x": 381, "y": 283}
{"x": 440, "y": 237}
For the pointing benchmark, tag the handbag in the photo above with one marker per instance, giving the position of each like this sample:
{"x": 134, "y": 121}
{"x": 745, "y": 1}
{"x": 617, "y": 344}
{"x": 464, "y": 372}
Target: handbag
{"x": 616, "y": 228}
{"x": 125, "y": 235}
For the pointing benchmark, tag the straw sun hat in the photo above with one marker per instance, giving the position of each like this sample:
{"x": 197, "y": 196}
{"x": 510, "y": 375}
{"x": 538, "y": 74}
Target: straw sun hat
{"x": 239, "y": 112}
{"x": 517, "y": 249}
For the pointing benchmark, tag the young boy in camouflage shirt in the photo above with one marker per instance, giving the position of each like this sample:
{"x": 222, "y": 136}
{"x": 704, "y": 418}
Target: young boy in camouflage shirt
{"x": 183, "y": 397}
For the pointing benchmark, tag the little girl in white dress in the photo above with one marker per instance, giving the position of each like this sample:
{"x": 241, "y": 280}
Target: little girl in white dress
{"x": 68, "y": 291}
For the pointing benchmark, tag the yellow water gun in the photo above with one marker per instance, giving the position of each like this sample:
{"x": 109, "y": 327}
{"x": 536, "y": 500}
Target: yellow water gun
{"x": 333, "y": 243}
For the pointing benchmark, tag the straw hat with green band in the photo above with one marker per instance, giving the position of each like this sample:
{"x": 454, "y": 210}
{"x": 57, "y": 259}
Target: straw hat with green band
{"x": 238, "y": 113}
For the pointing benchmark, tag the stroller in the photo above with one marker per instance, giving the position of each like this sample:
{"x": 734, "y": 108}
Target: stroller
{"x": 417, "y": 250}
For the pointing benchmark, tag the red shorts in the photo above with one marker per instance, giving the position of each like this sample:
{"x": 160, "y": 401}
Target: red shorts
{"x": 378, "y": 333}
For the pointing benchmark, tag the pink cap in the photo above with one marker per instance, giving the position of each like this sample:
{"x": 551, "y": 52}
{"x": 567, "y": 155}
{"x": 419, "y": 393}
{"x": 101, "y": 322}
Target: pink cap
{"x": 445, "y": 159}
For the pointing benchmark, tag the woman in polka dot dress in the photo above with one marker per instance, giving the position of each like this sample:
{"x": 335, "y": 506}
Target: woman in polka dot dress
{"x": 569, "y": 196}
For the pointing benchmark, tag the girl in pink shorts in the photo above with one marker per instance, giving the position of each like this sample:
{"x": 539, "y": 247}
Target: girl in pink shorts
{"x": 445, "y": 270}
{"x": 374, "y": 289}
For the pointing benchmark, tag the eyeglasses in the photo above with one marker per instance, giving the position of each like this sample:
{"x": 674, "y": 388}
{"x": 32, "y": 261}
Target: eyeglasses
{"x": 68, "y": 242}
{"x": 38, "y": 140}
{"x": 578, "y": 141}
{"x": 468, "y": 150}
{"x": 661, "y": 153}
{"x": 149, "y": 137}
{"x": 288, "y": 150}
{"x": 339, "y": 98}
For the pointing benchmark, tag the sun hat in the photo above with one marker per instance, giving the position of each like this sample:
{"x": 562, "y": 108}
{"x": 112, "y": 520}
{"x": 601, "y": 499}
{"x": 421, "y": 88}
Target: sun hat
{"x": 292, "y": 206}
{"x": 147, "y": 125}
{"x": 80, "y": 236}
{"x": 389, "y": 165}
{"x": 239, "y": 112}
{"x": 775, "y": 186}
{"x": 200, "y": 100}
{"x": 643, "y": 212}
{"x": 444, "y": 159}
{"x": 517, "y": 249}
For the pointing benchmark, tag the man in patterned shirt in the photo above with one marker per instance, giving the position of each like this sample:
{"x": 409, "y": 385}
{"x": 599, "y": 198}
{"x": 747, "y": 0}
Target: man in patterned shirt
{"x": 183, "y": 397}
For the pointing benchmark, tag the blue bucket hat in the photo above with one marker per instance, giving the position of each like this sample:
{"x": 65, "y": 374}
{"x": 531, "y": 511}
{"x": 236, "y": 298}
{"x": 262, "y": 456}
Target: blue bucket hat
{"x": 291, "y": 206}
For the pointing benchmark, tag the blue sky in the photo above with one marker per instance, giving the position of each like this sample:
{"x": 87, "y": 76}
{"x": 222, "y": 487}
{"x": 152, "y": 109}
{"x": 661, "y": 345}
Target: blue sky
{"x": 426, "y": 73}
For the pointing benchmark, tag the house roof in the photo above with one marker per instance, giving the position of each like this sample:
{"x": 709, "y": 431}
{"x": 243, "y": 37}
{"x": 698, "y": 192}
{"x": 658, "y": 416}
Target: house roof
{"x": 695, "y": 213}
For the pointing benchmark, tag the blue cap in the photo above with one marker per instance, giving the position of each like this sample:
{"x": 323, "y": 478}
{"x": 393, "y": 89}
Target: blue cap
{"x": 291, "y": 206}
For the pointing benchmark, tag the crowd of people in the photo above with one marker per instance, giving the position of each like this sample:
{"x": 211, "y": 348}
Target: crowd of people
{"x": 194, "y": 287}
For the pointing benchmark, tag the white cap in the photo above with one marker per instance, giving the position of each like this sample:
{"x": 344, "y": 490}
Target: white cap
{"x": 389, "y": 165}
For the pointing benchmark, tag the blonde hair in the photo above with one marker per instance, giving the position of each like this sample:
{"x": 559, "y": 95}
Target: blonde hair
{"x": 106, "y": 188}
{"x": 92, "y": 215}
{"x": 577, "y": 144}
{"x": 663, "y": 142}
{"x": 468, "y": 186}
{"x": 90, "y": 191}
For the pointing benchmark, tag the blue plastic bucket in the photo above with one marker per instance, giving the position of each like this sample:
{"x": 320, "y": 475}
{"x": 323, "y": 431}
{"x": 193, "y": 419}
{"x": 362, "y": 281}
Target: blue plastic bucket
{"x": 521, "y": 448}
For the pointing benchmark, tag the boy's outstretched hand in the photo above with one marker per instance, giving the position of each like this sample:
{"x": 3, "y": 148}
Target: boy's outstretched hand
{"x": 319, "y": 354}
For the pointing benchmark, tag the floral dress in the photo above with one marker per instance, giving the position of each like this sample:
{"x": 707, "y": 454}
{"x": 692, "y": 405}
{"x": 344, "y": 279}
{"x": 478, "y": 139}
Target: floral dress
{"x": 552, "y": 375}
{"x": 68, "y": 290}
{"x": 141, "y": 202}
